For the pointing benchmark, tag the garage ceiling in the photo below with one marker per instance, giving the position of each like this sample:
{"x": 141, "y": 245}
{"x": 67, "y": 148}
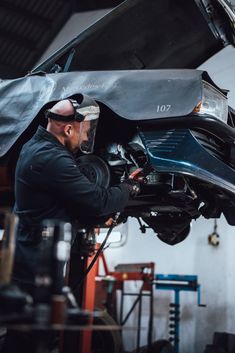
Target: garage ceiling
{"x": 28, "y": 27}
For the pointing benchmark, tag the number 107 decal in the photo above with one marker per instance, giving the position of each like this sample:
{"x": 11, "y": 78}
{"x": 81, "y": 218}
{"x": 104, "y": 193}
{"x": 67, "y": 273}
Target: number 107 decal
{"x": 163, "y": 108}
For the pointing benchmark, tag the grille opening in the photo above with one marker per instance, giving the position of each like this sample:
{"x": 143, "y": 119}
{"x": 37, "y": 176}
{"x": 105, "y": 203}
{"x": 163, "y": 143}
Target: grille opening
{"x": 213, "y": 145}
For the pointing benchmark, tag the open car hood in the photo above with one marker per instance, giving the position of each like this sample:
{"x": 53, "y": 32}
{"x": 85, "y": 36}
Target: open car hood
{"x": 138, "y": 34}
{"x": 148, "y": 34}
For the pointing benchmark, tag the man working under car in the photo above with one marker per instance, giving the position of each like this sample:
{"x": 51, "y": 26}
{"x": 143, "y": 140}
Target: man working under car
{"x": 49, "y": 184}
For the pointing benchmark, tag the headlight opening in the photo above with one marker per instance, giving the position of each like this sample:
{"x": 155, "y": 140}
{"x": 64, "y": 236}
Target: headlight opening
{"x": 213, "y": 103}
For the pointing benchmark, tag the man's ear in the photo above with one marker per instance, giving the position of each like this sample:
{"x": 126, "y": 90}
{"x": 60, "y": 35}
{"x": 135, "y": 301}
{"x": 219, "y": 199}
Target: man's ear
{"x": 68, "y": 130}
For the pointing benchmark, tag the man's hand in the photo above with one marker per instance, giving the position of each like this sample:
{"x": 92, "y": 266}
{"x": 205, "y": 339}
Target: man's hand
{"x": 135, "y": 179}
{"x": 133, "y": 186}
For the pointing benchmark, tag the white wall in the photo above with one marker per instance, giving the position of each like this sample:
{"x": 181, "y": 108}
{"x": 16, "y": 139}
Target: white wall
{"x": 214, "y": 266}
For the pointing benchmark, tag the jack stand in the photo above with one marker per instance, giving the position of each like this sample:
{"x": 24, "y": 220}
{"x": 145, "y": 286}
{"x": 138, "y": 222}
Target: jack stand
{"x": 177, "y": 283}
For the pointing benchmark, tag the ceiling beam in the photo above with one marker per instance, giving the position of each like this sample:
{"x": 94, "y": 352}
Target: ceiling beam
{"x": 18, "y": 39}
{"x": 22, "y": 12}
{"x": 91, "y": 5}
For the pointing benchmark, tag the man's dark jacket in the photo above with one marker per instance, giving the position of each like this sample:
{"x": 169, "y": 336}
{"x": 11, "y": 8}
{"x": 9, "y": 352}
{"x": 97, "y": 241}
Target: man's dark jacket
{"x": 49, "y": 185}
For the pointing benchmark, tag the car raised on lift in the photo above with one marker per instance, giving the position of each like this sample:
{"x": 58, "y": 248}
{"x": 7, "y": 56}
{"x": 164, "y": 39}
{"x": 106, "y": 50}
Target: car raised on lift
{"x": 158, "y": 112}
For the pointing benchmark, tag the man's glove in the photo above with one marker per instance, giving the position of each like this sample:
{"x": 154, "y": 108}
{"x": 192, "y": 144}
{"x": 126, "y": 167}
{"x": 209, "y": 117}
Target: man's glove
{"x": 133, "y": 186}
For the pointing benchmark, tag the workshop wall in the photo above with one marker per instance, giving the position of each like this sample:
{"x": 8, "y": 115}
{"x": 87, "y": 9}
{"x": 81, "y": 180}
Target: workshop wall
{"x": 213, "y": 265}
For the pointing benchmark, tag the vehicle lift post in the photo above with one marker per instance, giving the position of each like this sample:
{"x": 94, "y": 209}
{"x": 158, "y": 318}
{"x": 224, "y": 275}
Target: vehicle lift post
{"x": 177, "y": 283}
